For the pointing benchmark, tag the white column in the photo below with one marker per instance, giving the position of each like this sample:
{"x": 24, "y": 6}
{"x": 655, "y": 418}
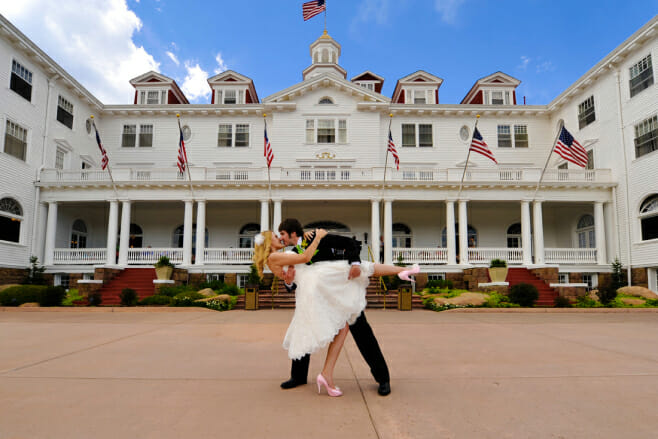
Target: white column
{"x": 463, "y": 233}
{"x": 450, "y": 232}
{"x": 124, "y": 238}
{"x": 264, "y": 215}
{"x": 112, "y": 229}
{"x": 599, "y": 233}
{"x": 51, "y": 229}
{"x": 200, "y": 232}
{"x": 388, "y": 231}
{"x": 526, "y": 242}
{"x": 276, "y": 215}
{"x": 187, "y": 232}
{"x": 538, "y": 218}
{"x": 374, "y": 229}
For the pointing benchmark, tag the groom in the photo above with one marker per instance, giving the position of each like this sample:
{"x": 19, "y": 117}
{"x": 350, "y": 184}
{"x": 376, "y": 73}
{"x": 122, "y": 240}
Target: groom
{"x": 335, "y": 247}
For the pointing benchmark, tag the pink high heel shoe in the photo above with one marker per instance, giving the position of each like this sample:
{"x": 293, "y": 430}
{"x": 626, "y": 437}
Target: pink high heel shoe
{"x": 321, "y": 381}
{"x": 404, "y": 275}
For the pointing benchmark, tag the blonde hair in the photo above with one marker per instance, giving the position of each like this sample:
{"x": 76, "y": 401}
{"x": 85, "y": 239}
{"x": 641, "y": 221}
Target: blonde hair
{"x": 262, "y": 251}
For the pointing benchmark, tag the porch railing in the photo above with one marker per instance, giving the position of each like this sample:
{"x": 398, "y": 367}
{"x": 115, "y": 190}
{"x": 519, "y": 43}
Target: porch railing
{"x": 151, "y": 255}
{"x": 79, "y": 256}
{"x": 484, "y": 255}
{"x": 570, "y": 255}
{"x": 421, "y": 255}
{"x": 228, "y": 255}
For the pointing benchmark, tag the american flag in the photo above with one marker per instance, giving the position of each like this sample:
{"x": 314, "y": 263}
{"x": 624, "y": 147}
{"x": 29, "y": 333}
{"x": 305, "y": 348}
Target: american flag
{"x": 104, "y": 159}
{"x": 313, "y": 8}
{"x": 267, "y": 151}
{"x": 182, "y": 154}
{"x": 479, "y": 145}
{"x": 569, "y": 149}
{"x": 392, "y": 150}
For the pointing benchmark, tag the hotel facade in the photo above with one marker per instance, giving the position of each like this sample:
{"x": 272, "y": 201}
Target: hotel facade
{"x": 329, "y": 135}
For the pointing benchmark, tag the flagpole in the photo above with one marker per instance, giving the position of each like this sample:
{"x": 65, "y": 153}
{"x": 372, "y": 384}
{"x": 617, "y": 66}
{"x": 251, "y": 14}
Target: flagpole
{"x": 325, "y": 16}
{"x": 109, "y": 171}
{"x": 187, "y": 163}
{"x": 390, "y": 122}
{"x": 559, "y": 130}
{"x": 468, "y": 156}
{"x": 270, "y": 207}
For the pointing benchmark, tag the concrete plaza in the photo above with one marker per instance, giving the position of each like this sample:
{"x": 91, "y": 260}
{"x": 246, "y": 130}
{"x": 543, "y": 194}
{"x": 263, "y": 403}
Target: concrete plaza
{"x": 193, "y": 373}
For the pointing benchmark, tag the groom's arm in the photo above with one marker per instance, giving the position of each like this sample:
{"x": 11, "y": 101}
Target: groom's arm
{"x": 352, "y": 247}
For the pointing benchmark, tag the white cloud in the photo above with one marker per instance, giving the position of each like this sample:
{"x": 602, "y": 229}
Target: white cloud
{"x": 221, "y": 65}
{"x": 448, "y": 9}
{"x": 546, "y": 66}
{"x": 524, "y": 63}
{"x": 195, "y": 85}
{"x": 92, "y": 41}
{"x": 367, "y": 11}
{"x": 173, "y": 57}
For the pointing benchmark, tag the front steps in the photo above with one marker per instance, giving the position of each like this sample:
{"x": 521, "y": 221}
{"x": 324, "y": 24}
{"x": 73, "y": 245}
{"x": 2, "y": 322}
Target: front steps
{"x": 139, "y": 279}
{"x": 547, "y": 294}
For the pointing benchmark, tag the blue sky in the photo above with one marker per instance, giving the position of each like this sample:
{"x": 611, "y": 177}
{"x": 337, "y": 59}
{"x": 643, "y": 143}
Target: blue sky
{"x": 545, "y": 44}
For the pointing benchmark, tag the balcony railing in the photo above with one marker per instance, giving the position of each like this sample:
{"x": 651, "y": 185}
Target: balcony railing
{"x": 333, "y": 174}
{"x": 570, "y": 255}
{"x": 151, "y": 255}
{"x": 484, "y": 255}
{"x": 79, "y": 256}
{"x": 421, "y": 255}
{"x": 228, "y": 255}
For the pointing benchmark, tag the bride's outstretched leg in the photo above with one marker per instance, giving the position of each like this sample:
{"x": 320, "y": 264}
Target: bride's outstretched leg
{"x": 390, "y": 270}
{"x": 332, "y": 355}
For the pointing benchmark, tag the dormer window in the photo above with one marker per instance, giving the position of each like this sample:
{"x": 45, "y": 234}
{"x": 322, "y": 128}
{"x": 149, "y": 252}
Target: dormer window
{"x": 420, "y": 96}
{"x": 153, "y": 97}
{"x": 230, "y": 96}
{"x": 496, "y": 97}
{"x": 369, "y": 85}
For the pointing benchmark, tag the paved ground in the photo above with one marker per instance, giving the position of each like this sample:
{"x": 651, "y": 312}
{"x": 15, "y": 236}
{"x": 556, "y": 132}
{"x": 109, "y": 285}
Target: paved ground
{"x": 205, "y": 374}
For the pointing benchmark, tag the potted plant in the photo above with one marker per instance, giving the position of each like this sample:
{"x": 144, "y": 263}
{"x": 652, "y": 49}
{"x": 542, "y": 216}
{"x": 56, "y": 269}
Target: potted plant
{"x": 498, "y": 270}
{"x": 164, "y": 268}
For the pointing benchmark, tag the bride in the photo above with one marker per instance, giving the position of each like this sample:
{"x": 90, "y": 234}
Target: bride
{"x": 326, "y": 301}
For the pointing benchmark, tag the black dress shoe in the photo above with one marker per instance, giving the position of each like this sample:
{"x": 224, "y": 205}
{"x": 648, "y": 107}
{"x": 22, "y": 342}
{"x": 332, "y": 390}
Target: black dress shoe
{"x": 292, "y": 383}
{"x": 384, "y": 389}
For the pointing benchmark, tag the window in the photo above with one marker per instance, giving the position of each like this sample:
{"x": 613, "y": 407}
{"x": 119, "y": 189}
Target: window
{"x": 145, "y": 135}
{"x": 585, "y": 232}
{"x": 21, "y": 80}
{"x": 326, "y": 131}
{"x": 178, "y": 236}
{"x": 514, "y": 236}
{"x": 62, "y": 280}
{"x": 649, "y": 218}
{"x": 563, "y": 278}
{"x": 436, "y": 276}
{"x": 229, "y": 97}
{"x": 496, "y": 97}
{"x": 153, "y": 97}
{"x": 586, "y": 113}
{"x": 229, "y": 135}
{"x": 641, "y": 75}
{"x": 646, "y": 136}
{"x": 505, "y": 139}
{"x": 420, "y": 97}
{"x": 424, "y": 138}
{"x": 11, "y": 216}
{"x": 563, "y": 166}
{"x": 59, "y": 158}
{"x": 247, "y": 233}
{"x": 65, "y": 112}
{"x": 79, "y": 234}
{"x": 591, "y": 279}
{"x": 15, "y": 140}
{"x": 325, "y": 101}
{"x": 472, "y": 237}
{"x": 214, "y": 277}
{"x": 369, "y": 85}
{"x": 242, "y": 280}
{"x": 129, "y": 136}
{"x": 401, "y": 236}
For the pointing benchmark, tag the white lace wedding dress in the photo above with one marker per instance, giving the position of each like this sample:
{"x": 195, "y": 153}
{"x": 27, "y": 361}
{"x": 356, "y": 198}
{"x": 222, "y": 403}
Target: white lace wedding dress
{"x": 324, "y": 301}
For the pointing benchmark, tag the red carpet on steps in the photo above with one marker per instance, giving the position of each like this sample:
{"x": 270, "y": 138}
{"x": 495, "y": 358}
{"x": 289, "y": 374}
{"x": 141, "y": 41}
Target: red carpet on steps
{"x": 547, "y": 294}
{"x": 139, "y": 279}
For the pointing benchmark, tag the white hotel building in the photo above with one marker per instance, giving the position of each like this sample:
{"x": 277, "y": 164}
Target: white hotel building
{"x": 329, "y": 138}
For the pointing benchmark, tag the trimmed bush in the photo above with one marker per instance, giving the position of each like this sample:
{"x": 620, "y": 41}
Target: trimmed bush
{"x": 562, "y": 302}
{"x": 231, "y": 290}
{"x": 498, "y": 263}
{"x": 222, "y": 305}
{"x": 73, "y": 295}
{"x": 651, "y": 302}
{"x": 607, "y": 294}
{"x": 497, "y": 300}
{"x": 158, "y": 299}
{"x": 173, "y": 291}
{"x": 215, "y": 285}
{"x": 439, "y": 283}
{"x": 586, "y": 302}
{"x": 20, "y": 294}
{"x": 128, "y": 297}
{"x": 52, "y": 296}
{"x": 523, "y": 294}
{"x": 95, "y": 299}
{"x": 187, "y": 299}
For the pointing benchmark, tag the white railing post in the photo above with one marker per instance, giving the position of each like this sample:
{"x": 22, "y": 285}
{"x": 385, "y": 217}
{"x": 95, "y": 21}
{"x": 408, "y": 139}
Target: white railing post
{"x": 51, "y": 229}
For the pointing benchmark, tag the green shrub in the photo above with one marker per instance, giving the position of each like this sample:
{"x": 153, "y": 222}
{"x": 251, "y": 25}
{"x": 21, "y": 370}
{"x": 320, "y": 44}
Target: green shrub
{"x": 607, "y": 294}
{"x": 651, "y": 302}
{"x": 231, "y": 290}
{"x": 586, "y": 302}
{"x": 187, "y": 299}
{"x": 175, "y": 290}
{"x": 215, "y": 285}
{"x": 439, "y": 283}
{"x": 34, "y": 275}
{"x": 163, "y": 262}
{"x": 95, "y": 298}
{"x": 128, "y": 297}
{"x": 158, "y": 299}
{"x": 254, "y": 278}
{"x": 72, "y": 296}
{"x": 20, "y": 294}
{"x": 562, "y": 302}
{"x": 52, "y": 296}
{"x": 523, "y": 294}
{"x": 222, "y": 305}
{"x": 498, "y": 300}
{"x": 498, "y": 263}
{"x": 618, "y": 277}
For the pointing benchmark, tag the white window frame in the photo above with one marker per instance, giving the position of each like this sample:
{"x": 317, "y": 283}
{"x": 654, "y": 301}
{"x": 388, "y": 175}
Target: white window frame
{"x": 162, "y": 96}
{"x": 512, "y": 133}
{"x": 637, "y": 69}
{"x": 138, "y": 133}
{"x": 412, "y": 93}
{"x": 240, "y": 95}
{"x": 436, "y": 276}
{"x": 643, "y": 128}
{"x": 60, "y": 158}
{"x": 586, "y": 109}
{"x": 416, "y": 135}
{"x": 487, "y": 96}
{"x": 563, "y": 278}
{"x": 20, "y": 216}
{"x": 369, "y": 85}
{"x": 234, "y": 135}
{"x": 340, "y": 127}
{"x": 16, "y": 128}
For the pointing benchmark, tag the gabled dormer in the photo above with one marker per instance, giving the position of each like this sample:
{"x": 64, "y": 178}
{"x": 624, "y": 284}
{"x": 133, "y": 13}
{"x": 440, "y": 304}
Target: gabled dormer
{"x": 418, "y": 88}
{"x": 153, "y": 88}
{"x": 232, "y": 88}
{"x": 370, "y": 81}
{"x": 496, "y": 89}
{"x": 325, "y": 52}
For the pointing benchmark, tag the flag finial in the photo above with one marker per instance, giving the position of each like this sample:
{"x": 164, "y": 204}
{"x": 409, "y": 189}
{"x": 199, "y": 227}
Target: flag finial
{"x": 390, "y": 115}
{"x": 477, "y": 116}
{"x": 91, "y": 117}
{"x": 264, "y": 114}
{"x": 177, "y": 114}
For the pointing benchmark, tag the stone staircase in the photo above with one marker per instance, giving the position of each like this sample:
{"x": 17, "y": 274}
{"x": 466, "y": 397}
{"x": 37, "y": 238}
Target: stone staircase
{"x": 547, "y": 294}
{"x": 139, "y": 279}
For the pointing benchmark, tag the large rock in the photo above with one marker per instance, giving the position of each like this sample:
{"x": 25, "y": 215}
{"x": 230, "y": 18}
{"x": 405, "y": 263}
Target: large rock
{"x": 29, "y": 305}
{"x": 631, "y": 301}
{"x": 475, "y": 299}
{"x": 638, "y": 292}
{"x": 4, "y": 287}
{"x": 208, "y": 292}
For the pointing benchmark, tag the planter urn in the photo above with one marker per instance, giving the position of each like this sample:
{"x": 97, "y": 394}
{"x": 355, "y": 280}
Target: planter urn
{"x": 164, "y": 273}
{"x": 498, "y": 274}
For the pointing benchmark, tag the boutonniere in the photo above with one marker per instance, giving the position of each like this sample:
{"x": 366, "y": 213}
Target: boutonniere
{"x": 304, "y": 244}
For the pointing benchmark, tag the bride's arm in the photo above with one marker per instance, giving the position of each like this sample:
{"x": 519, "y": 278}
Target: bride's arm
{"x": 282, "y": 259}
